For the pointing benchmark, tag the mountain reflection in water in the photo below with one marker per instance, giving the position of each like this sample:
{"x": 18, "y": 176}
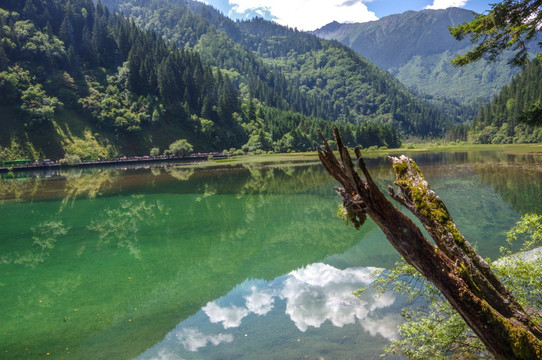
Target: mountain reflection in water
{"x": 315, "y": 299}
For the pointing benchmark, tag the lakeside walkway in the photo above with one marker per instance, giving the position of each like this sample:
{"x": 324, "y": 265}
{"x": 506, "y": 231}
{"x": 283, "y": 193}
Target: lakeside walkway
{"x": 47, "y": 164}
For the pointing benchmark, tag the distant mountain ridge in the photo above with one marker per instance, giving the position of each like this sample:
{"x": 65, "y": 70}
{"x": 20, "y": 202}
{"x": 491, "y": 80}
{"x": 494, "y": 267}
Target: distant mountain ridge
{"x": 392, "y": 41}
{"x": 416, "y": 47}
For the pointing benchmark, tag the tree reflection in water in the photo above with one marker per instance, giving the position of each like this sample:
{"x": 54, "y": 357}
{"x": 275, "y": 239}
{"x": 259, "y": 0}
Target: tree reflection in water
{"x": 122, "y": 224}
{"x": 45, "y": 236}
{"x": 18, "y": 189}
{"x": 180, "y": 173}
{"x": 79, "y": 184}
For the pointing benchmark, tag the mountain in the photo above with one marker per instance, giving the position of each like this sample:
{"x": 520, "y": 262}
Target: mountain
{"x": 317, "y": 77}
{"x": 78, "y": 78}
{"x": 416, "y": 48}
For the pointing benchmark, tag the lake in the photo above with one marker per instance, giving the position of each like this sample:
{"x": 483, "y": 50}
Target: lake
{"x": 223, "y": 262}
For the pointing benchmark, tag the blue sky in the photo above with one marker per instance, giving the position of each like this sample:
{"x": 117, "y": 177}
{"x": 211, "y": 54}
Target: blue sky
{"x": 312, "y": 14}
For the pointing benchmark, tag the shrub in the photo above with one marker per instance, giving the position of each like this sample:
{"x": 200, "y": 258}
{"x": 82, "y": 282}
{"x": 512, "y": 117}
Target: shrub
{"x": 70, "y": 159}
{"x": 180, "y": 147}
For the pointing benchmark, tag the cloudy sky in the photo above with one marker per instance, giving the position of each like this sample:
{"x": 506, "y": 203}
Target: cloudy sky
{"x": 312, "y": 14}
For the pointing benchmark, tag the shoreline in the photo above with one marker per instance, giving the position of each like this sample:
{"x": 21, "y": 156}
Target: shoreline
{"x": 534, "y": 149}
{"x": 118, "y": 161}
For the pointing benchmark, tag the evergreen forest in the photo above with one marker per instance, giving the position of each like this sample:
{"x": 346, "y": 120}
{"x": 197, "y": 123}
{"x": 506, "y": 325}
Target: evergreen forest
{"x": 121, "y": 78}
{"x": 515, "y": 114}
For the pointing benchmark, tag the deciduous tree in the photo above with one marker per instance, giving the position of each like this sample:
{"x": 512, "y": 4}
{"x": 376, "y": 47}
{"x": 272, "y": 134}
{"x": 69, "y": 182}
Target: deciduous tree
{"x": 180, "y": 147}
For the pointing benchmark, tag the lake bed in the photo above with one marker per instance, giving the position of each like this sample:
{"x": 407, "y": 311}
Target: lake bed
{"x": 231, "y": 261}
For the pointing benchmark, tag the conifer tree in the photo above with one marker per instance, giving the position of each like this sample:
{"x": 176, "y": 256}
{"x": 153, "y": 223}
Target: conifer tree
{"x": 510, "y": 24}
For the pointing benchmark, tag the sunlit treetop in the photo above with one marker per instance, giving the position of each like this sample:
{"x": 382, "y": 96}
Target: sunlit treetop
{"x": 510, "y": 24}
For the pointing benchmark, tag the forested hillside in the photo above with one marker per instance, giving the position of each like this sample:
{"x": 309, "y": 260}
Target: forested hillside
{"x": 72, "y": 56}
{"x": 78, "y": 79}
{"x": 515, "y": 115}
{"x": 416, "y": 47}
{"x": 311, "y": 75}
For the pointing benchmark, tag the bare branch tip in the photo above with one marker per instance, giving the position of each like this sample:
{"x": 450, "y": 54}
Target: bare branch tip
{"x": 357, "y": 151}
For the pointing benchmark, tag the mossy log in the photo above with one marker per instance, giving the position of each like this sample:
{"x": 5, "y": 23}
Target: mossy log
{"x": 455, "y": 268}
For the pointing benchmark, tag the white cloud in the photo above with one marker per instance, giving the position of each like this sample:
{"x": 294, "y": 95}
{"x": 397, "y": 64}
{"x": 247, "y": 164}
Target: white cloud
{"x": 259, "y": 302}
{"x": 321, "y": 292}
{"x": 193, "y": 339}
{"x": 444, "y": 4}
{"x": 230, "y": 317}
{"x": 165, "y": 355}
{"x": 386, "y": 326}
{"x": 307, "y": 14}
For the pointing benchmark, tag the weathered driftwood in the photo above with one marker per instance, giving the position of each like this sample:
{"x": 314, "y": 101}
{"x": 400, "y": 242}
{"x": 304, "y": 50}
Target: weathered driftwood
{"x": 462, "y": 276}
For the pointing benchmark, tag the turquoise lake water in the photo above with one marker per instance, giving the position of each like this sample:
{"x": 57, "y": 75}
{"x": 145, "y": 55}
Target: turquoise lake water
{"x": 226, "y": 262}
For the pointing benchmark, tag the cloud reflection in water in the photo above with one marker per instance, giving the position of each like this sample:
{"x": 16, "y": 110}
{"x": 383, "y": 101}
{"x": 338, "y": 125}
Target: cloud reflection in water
{"x": 385, "y": 326}
{"x": 309, "y": 297}
{"x": 230, "y": 317}
{"x": 321, "y": 292}
{"x": 192, "y": 339}
{"x": 260, "y": 302}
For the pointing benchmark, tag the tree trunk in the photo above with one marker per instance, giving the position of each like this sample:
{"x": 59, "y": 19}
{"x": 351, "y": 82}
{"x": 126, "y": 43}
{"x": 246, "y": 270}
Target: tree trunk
{"x": 462, "y": 276}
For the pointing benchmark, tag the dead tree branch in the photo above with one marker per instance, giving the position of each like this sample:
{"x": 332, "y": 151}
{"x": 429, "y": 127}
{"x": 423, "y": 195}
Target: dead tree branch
{"x": 462, "y": 276}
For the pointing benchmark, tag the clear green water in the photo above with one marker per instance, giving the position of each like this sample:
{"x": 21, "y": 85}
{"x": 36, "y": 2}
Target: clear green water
{"x": 222, "y": 263}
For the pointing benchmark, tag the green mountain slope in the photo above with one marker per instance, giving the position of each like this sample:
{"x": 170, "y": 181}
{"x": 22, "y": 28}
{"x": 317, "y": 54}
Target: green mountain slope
{"x": 122, "y": 85}
{"x": 357, "y": 89}
{"x": 313, "y": 76}
{"x": 416, "y": 47}
{"x": 78, "y": 79}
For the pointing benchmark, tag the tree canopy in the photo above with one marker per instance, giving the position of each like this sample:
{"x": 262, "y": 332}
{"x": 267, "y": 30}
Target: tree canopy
{"x": 510, "y": 24}
{"x": 180, "y": 147}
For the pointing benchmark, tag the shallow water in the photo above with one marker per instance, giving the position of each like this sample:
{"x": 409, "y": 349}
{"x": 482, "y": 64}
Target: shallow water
{"x": 230, "y": 262}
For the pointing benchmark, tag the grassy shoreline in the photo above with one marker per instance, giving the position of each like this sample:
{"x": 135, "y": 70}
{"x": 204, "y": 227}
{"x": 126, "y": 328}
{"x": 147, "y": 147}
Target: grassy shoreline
{"x": 505, "y": 148}
{"x": 513, "y": 149}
